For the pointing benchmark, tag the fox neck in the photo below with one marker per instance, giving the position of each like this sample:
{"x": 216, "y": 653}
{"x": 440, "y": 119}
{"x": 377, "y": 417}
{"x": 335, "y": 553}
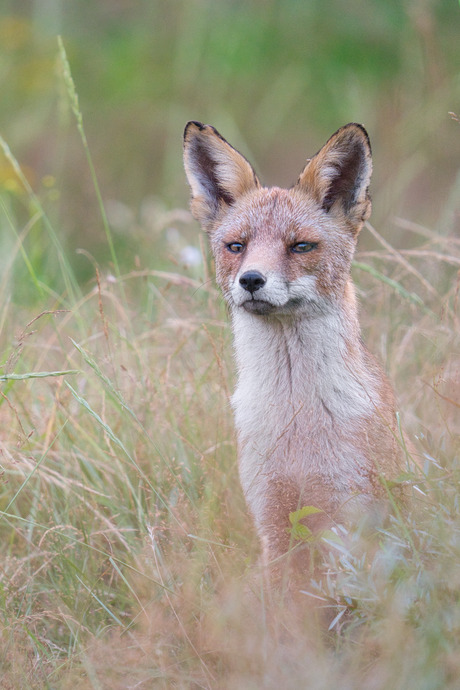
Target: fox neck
{"x": 304, "y": 368}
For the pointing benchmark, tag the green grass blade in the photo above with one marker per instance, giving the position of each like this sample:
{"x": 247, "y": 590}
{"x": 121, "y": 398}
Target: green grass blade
{"x": 38, "y": 375}
{"x": 113, "y": 437}
{"x": 74, "y": 103}
{"x": 70, "y": 282}
{"x": 397, "y": 287}
{"x": 36, "y": 468}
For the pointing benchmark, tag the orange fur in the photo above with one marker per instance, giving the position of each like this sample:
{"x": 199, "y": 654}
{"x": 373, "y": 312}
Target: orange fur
{"x": 314, "y": 412}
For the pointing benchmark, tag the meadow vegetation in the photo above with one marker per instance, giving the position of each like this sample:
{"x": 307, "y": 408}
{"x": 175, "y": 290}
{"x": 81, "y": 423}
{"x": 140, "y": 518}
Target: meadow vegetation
{"x": 128, "y": 558}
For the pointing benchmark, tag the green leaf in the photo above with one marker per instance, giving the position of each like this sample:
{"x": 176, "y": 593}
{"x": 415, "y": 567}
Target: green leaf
{"x": 298, "y": 515}
{"x": 301, "y": 532}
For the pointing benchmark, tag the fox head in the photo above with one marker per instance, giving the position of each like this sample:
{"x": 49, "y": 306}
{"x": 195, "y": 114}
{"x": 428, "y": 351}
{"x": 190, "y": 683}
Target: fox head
{"x": 280, "y": 251}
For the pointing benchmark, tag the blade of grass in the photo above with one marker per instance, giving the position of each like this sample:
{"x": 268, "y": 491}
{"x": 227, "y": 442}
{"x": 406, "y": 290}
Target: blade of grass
{"x": 129, "y": 586}
{"x": 398, "y": 256}
{"x": 36, "y": 468}
{"x": 70, "y": 281}
{"x": 100, "y": 602}
{"x": 38, "y": 375}
{"x": 117, "y": 395}
{"x": 123, "y": 448}
{"x": 397, "y": 287}
{"x": 20, "y": 247}
{"x": 76, "y": 540}
{"x": 74, "y": 104}
{"x": 210, "y": 541}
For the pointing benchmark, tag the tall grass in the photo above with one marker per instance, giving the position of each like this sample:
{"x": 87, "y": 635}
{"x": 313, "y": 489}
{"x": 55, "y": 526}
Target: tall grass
{"x": 128, "y": 557}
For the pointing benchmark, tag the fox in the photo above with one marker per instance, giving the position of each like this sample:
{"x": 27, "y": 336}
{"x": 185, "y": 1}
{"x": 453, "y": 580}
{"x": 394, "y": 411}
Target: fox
{"x": 315, "y": 414}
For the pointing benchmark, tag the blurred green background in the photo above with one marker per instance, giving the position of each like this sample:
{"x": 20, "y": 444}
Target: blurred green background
{"x": 275, "y": 77}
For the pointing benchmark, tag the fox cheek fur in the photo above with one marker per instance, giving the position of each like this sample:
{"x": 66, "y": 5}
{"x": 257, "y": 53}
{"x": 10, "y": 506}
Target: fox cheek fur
{"x": 314, "y": 412}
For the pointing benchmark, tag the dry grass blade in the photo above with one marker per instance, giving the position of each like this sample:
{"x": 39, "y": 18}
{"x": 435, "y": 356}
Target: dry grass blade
{"x": 398, "y": 256}
{"x": 38, "y": 375}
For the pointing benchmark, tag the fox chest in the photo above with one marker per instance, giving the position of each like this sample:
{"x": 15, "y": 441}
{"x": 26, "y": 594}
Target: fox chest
{"x": 301, "y": 418}
{"x": 301, "y": 444}
{"x": 310, "y": 431}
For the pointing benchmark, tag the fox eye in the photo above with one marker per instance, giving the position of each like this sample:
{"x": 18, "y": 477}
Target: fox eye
{"x": 303, "y": 247}
{"x": 235, "y": 247}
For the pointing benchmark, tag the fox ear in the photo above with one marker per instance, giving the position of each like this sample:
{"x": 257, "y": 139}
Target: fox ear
{"x": 340, "y": 173}
{"x": 216, "y": 172}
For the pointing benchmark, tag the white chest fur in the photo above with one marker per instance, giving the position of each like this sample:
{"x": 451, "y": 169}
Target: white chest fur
{"x": 302, "y": 399}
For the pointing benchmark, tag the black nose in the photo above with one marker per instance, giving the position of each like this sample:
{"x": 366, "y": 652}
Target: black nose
{"x": 252, "y": 281}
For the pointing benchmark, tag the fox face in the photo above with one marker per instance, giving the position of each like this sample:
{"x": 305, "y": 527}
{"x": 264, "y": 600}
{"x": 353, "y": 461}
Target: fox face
{"x": 279, "y": 251}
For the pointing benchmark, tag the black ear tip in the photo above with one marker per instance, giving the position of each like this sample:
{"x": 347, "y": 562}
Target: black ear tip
{"x": 193, "y": 124}
{"x": 360, "y": 130}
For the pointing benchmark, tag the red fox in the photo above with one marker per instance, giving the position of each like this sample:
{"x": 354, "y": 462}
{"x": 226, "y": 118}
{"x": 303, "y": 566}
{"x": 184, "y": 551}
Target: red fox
{"x": 314, "y": 412}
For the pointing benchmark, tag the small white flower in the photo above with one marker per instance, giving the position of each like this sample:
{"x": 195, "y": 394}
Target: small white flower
{"x": 190, "y": 256}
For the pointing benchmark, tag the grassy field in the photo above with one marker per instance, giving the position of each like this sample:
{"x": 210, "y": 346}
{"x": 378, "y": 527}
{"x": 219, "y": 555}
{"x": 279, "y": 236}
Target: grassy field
{"x": 128, "y": 557}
